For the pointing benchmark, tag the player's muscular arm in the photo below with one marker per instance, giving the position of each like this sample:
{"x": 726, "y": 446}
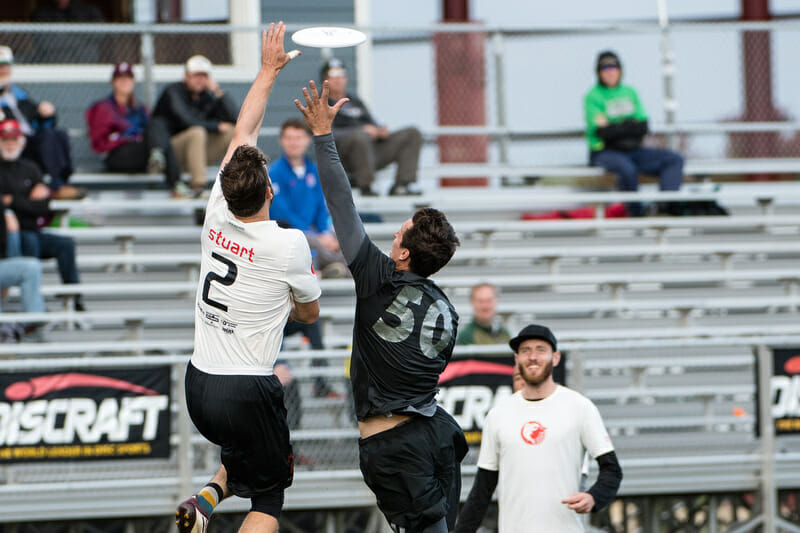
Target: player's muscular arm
{"x": 273, "y": 59}
{"x": 307, "y": 313}
{"x": 335, "y": 185}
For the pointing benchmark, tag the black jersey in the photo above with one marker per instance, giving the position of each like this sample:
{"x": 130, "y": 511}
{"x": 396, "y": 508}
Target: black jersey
{"x": 403, "y": 337}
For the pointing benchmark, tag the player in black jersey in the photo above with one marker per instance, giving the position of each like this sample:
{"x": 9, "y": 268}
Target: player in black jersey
{"x": 405, "y": 329}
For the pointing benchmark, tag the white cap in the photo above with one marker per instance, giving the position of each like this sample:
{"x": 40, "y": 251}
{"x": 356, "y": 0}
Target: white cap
{"x": 198, "y": 63}
{"x": 6, "y": 55}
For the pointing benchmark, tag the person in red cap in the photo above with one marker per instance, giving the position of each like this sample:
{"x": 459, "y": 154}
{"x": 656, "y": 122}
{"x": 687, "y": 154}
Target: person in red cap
{"x": 26, "y": 195}
{"x": 46, "y": 145}
{"x": 121, "y": 128}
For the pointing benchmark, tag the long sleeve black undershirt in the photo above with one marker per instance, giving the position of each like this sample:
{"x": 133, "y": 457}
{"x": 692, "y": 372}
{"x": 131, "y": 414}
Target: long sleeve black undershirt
{"x": 339, "y": 197}
{"x": 603, "y": 491}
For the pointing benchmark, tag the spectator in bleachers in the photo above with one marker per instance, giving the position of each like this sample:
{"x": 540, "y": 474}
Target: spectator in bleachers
{"x": 26, "y": 195}
{"x": 121, "y": 128}
{"x": 46, "y": 146}
{"x": 24, "y": 272}
{"x": 516, "y": 379}
{"x": 485, "y": 326}
{"x": 616, "y": 123}
{"x": 84, "y": 46}
{"x": 363, "y": 145}
{"x": 200, "y": 118}
{"x": 299, "y": 202}
{"x": 66, "y": 11}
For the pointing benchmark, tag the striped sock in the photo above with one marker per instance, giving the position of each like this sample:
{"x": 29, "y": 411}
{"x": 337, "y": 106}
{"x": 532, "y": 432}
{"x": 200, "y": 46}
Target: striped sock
{"x": 208, "y": 498}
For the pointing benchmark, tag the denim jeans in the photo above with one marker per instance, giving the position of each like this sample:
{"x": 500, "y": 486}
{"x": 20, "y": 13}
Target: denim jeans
{"x": 46, "y": 245}
{"x": 665, "y": 164}
{"x": 26, "y": 272}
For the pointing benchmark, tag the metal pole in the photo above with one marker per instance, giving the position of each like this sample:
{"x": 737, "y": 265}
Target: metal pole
{"x": 713, "y": 521}
{"x": 498, "y": 49}
{"x": 769, "y": 504}
{"x": 668, "y": 73}
{"x": 363, "y": 19}
{"x": 184, "y": 435}
{"x": 148, "y": 60}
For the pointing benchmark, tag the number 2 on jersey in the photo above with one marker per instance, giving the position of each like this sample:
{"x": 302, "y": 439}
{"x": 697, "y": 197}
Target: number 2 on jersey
{"x": 437, "y": 322}
{"x": 229, "y": 278}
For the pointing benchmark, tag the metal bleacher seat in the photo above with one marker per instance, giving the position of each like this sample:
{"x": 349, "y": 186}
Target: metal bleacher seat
{"x": 658, "y": 317}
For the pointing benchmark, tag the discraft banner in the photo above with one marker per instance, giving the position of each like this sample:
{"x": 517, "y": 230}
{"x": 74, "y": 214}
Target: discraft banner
{"x": 102, "y": 414}
{"x": 785, "y": 390}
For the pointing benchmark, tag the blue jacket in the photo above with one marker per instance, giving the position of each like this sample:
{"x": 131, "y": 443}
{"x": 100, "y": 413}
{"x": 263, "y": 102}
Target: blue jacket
{"x": 299, "y": 202}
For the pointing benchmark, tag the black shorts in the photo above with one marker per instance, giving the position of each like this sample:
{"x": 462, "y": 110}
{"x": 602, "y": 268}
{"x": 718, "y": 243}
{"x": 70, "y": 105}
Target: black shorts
{"x": 246, "y": 417}
{"x": 414, "y": 469}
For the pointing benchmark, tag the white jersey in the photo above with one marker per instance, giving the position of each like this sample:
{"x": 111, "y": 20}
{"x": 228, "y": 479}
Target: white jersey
{"x": 538, "y": 448}
{"x": 249, "y": 274}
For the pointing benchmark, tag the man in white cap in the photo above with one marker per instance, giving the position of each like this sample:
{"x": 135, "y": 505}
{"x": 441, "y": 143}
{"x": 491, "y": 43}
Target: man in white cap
{"x": 200, "y": 118}
{"x": 46, "y": 146}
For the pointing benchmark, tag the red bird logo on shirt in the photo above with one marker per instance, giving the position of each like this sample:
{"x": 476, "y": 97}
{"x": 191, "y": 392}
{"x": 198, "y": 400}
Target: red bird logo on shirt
{"x": 533, "y": 432}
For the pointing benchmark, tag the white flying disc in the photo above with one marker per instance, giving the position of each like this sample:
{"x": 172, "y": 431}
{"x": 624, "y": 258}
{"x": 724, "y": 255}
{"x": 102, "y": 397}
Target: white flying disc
{"x": 328, "y": 37}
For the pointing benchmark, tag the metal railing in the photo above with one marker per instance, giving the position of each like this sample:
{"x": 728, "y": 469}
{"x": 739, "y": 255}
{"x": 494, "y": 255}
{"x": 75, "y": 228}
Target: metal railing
{"x": 723, "y": 455}
{"x": 517, "y": 108}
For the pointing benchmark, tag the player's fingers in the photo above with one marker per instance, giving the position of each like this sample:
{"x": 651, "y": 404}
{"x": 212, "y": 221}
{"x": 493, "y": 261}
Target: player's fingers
{"x": 307, "y": 96}
{"x": 281, "y": 31}
{"x": 270, "y": 31}
{"x": 338, "y": 105}
{"x": 277, "y": 37}
{"x": 300, "y": 106}
{"x": 314, "y": 93}
{"x": 324, "y": 95}
{"x": 294, "y": 53}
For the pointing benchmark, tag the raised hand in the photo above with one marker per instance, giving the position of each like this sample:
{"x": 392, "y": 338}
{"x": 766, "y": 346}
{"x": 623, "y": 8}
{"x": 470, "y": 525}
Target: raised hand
{"x": 318, "y": 114}
{"x": 273, "y": 57}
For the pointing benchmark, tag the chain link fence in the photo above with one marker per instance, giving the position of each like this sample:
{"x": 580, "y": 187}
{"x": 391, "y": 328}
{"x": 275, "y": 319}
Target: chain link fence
{"x": 481, "y": 94}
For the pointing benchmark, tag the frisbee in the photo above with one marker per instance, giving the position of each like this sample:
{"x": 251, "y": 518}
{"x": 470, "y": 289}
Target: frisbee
{"x": 328, "y": 37}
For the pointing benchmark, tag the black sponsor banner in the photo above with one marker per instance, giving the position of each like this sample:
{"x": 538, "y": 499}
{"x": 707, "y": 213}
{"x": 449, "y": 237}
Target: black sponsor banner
{"x": 471, "y": 385}
{"x": 785, "y": 390}
{"x": 98, "y": 414}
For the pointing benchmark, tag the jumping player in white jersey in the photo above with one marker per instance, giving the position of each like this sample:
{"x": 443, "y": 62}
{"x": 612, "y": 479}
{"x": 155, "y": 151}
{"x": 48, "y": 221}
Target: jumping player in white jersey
{"x": 405, "y": 329}
{"x": 254, "y": 276}
{"x": 533, "y": 446}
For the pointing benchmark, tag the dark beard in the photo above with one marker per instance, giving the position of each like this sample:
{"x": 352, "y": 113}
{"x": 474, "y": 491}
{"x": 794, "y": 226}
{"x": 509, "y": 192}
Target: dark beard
{"x": 536, "y": 381}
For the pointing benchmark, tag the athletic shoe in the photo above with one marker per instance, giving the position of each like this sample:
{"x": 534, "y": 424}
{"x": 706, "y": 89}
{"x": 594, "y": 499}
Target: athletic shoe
{"x": 403, "y": 190}
{"x": 334, "y": 270}
{"x": 68, "y": 192}
{"x": 181, "y": 191}
{"x": 157, "y": 162}
{"x": 190, "y": 518}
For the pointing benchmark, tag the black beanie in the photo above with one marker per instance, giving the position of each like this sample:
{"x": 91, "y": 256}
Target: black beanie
{"x": 607, "y": 57}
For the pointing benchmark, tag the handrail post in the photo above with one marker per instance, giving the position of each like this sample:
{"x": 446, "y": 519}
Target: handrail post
{"x": 498, "y": 49}
{"x": 769, "y": 504}
{"x": 668, "y": 74}
{"x": 148, "y": 62}
{"x": 184, "y": 435}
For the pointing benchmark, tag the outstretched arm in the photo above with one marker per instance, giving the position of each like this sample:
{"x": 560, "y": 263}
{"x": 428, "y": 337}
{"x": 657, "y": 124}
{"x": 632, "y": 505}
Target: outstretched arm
{"x": 335, "y": 185}
{"x": 273, "y": 59}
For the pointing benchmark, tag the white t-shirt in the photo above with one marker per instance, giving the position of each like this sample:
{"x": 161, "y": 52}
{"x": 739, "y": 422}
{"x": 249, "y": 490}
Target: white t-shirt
{"x": 248, "y": 276}
{"x": 538, "y": 448}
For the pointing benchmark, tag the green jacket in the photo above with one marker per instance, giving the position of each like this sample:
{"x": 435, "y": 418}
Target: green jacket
{"x": 474, "y": 333}
{"x": 615, "y": 103}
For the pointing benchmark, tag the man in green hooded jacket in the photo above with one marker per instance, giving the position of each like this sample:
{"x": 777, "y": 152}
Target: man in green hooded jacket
{"x": 616, "y": 123}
